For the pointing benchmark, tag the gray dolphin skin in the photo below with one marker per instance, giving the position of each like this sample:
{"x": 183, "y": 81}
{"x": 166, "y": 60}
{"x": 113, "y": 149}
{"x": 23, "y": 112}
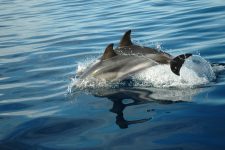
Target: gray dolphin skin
{"x": 120, "y": 63}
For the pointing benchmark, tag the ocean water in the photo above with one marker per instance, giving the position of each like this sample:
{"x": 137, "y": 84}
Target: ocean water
{"x": 43, "y": 43}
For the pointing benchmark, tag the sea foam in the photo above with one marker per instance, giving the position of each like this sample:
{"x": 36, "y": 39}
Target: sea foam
{"x": 196, "y": 71}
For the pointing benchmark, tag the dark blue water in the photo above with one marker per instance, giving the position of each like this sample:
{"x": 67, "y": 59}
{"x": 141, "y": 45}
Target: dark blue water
{"x": 41, "y": 43}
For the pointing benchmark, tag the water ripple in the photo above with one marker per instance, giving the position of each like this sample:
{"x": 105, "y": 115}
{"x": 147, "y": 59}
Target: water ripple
{"x": 42, "y": 42}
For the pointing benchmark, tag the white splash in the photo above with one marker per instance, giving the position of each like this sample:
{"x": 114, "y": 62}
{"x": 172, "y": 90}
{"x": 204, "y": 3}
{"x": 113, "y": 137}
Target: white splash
{"x": 217, "y": 68}
{"x": 195, "y": 71}
{"x": 83, "y": 65}
{"x": 90, "y": 82}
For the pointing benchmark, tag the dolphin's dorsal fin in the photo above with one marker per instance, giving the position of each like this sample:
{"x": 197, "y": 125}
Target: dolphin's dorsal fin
{"x": 109, "y": 52}
{"x": 177, "y": 62}
{"x": 126, "y": 41}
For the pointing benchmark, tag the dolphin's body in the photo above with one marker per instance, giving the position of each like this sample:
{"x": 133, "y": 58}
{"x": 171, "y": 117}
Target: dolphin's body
{"x": 118, "y": 68}
{"x": 120, "y": 63}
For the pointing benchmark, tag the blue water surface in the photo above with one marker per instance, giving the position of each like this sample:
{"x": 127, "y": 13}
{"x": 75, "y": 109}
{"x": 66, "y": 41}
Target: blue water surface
{"x": 41, "y": 43}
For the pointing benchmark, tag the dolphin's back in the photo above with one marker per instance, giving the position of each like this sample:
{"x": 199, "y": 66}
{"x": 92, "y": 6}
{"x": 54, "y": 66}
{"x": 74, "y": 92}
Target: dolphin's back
{"x": 139, "y": 50}
{"x": 126, "y": 47}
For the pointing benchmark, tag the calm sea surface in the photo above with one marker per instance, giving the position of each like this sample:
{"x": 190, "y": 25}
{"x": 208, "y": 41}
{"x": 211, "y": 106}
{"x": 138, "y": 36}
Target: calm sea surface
{"x": 43, "y": 41}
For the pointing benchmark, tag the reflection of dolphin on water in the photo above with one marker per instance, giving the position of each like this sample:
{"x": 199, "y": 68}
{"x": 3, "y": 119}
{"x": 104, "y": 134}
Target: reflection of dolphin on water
{"x": 139, "y": 96}
{"x": 120, "y": 63}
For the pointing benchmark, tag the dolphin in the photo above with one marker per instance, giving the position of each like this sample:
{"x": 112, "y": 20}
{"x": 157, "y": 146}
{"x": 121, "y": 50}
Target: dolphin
{"x": 122, "y": 62}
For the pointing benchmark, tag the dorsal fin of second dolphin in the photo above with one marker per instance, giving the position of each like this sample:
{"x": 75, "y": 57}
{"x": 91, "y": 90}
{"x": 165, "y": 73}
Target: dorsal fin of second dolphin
{"x": 126, "y": 40}
{"x": 177, "y": 62}
{"x": 109, "y": 52}
{"x": 126, "y": 46}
